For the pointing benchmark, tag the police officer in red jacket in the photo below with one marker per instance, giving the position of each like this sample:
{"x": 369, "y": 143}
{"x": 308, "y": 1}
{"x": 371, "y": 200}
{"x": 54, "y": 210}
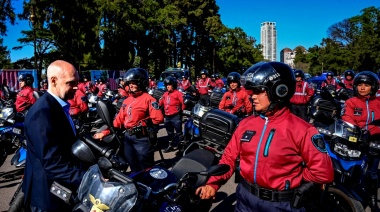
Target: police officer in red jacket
{"x": 152, "y": 83}
{"x": 185, "y": 83}
{"x": 25, "y": 98}
{"x": 44, "y": 85}
{"x": 275, "y": 159}
{"x": 348, "y": 80}
{"x": 77, "y": 105}
{"x": 236, "y": 100}
{"x": 329, "y": 80}
{"x": 218, "y": 82}
{"x": 139, "y": 114}
{"x": 360, "y": 110}
{"x": 203, "y": 86}
{"x": 102, "y": 86}
{"x": 302, "y": 96}
{"x": 173, "y": 105}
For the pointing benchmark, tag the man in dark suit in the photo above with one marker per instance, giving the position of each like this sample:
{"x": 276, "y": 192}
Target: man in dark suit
{"x": 50, "y": 134}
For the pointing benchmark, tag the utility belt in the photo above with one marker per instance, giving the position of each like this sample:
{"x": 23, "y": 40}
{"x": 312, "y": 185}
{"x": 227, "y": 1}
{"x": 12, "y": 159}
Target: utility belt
{"x": 267, "y": 194}
{"x": 138, "y": 131}
{"x": 298, "y": 197}
{"x": 172, "y": 115}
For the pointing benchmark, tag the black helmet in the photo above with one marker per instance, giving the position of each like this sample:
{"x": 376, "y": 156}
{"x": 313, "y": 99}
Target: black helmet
{"x": 233, "y": 77}
{"x": 212, "y": 75}
{"x": 170, "y": 81}
{"x": 330, "y": 73}
{"x": 276, "y": 78}
{"x": 44, "y": 81}
{"x": 27, "y": 78}
{"x": 367, "y": 77}
{"x": 204, "y": 71}
{"x": 299, "y": 73}
{"x": 184, "y": 76}
{"x": 139, "y": 75}
{"x": 217, "y": 76}
{"x": 349, "y": 73}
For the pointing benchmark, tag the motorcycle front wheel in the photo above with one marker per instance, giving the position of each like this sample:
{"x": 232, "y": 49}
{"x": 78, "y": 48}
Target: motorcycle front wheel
{"x": 336, "y": 200}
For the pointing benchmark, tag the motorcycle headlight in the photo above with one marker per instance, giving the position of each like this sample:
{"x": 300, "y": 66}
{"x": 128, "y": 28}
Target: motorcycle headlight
{"x": 196, "y": 109}
{"x": 343, "y": 150}
{"x": 6, "y": 113}
{"x": 93, "y": 99}
{"x": 199, "y": 110}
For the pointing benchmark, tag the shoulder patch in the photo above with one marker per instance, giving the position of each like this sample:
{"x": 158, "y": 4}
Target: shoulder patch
{"x": 319, "y": 142}
{"x": 155, "y": 105}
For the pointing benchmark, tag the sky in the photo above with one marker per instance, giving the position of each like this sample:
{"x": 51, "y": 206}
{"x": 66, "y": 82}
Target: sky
{"x": 299, "y": 22}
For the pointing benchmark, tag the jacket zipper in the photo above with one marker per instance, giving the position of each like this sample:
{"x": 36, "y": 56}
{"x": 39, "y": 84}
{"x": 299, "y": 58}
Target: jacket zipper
{"x": 269, "y": 140}
{"x": 258, "y": 148}
{"x": 368, "y": 115}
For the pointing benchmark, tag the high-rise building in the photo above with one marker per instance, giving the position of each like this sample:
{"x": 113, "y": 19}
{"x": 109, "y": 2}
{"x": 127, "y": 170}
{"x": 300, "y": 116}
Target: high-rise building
{"x": 287, "y": 56}
{"x": 269, "y": 40}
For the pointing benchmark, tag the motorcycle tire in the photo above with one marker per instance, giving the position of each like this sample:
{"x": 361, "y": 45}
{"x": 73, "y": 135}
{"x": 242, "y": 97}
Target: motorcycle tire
{"x": 336, "y": 200}
{"x": 17, "y": 202}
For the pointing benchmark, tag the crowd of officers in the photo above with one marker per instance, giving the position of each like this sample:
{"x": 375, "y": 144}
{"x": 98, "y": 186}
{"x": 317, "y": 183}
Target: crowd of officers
{"x": 273, "y": 156}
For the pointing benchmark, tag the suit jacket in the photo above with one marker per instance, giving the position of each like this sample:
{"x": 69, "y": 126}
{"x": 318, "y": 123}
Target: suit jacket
{"x": 49, "y": 139}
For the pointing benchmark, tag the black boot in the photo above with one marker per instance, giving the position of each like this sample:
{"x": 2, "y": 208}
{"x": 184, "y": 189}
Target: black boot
{"x": 170, "y": 147}
{"x": 372, "y": 191}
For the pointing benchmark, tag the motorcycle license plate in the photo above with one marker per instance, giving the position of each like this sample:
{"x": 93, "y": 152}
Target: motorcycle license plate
{"x": 186, "y": 112}
{"x": 89, "y": 104}
{"x": 16, "y": 131}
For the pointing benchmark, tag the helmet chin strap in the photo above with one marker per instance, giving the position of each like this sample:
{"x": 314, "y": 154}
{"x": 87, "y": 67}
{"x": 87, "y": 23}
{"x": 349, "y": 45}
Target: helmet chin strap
{"x": 136, "y": 93}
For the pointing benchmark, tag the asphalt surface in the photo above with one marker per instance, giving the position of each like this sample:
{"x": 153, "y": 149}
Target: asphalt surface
{"x": 10, "y": 178}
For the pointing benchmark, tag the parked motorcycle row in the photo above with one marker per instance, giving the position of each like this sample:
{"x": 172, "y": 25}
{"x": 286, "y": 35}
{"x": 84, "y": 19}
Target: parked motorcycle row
{"x": 207, "y": 131}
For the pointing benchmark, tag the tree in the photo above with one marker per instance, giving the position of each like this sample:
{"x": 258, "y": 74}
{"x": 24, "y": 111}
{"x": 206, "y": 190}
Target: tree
{"x": 6, "y": 14}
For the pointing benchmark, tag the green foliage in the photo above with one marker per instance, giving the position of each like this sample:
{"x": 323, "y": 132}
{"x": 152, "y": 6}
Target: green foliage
{"x": 353, "y": 43}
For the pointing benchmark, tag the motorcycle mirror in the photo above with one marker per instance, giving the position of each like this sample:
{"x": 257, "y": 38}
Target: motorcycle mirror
{"x": 83, "y": 152}
{"x": 103, "y": 113}
{"x": 216, "y": 170}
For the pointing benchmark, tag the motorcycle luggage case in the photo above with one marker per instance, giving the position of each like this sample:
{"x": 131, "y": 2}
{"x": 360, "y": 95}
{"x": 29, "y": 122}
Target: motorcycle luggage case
{"x": 217, "y": 127}
{"x": 215, "y": 99}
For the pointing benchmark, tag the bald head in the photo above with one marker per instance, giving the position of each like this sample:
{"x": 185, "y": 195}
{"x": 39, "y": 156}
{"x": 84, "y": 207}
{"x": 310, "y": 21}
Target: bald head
{"x": 62, "y": 79}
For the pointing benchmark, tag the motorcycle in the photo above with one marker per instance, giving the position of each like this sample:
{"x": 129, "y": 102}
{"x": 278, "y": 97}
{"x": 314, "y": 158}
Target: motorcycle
{"x": 11, "y": 129}
{"x": 156, "y": 188}
{"x": 324, "y": 108}
{"x": 349, "y": 149}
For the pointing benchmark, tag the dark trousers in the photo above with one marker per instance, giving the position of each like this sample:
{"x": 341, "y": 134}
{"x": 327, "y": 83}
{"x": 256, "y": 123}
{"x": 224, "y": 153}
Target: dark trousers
{"x": 174, "y": 123}
{"x": 300, "y": 111}
{"x": 138, "y": 152}
{"x": 245, "y": 201}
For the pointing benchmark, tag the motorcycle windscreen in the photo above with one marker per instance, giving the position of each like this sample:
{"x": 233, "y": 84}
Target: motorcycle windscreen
{"x": 98, "y": 195}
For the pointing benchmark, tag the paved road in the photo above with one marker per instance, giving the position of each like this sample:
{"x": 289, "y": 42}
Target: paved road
{"x": 10, "y": 178}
